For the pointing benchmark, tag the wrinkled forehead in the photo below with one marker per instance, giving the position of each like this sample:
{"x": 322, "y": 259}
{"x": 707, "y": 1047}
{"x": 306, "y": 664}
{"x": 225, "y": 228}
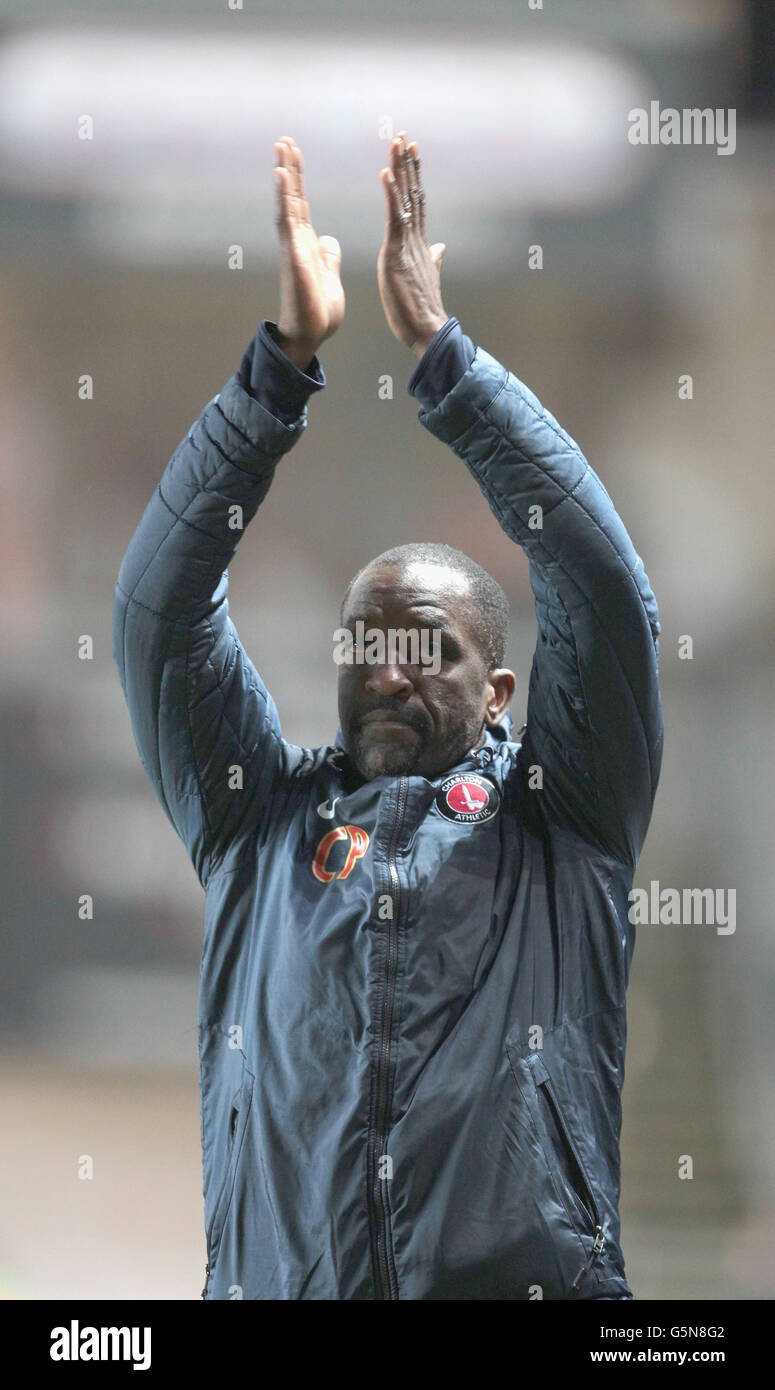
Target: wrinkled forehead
{"x": 418, "y": 584}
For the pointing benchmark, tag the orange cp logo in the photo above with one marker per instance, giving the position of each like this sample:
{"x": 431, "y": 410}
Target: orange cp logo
{"x": 359, "y": 843}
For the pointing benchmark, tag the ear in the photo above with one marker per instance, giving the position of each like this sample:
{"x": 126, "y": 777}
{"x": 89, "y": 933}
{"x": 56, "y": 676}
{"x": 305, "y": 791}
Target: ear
{"x": 499, "y": 689}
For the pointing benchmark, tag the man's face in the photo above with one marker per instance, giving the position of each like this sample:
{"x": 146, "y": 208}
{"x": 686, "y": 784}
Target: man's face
{"x": 399, "y": 718}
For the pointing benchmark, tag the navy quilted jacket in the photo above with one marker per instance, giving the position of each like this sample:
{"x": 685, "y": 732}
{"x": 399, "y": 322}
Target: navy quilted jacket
{"x": 411, "y": 1017}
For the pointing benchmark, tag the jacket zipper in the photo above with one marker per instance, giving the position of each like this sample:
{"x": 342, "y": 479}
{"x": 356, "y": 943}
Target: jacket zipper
{"x": 385, "y": 1280}
{"x": 589, "y": 1204}
{"x": 598, "y": 1247}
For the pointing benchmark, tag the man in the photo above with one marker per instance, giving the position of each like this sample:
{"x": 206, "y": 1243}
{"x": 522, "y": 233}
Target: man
{"x": 412, "y": 1001}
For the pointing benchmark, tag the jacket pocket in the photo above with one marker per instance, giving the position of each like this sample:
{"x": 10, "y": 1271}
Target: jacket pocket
{"x": 569, "y": 1162}
{"x": 561, "y": 1151}
{"x": 239, "y": 1115}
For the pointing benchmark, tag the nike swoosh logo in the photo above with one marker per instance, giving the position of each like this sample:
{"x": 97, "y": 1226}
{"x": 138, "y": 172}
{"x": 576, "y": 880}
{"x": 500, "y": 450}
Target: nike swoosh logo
{"x": 323, "y": 809}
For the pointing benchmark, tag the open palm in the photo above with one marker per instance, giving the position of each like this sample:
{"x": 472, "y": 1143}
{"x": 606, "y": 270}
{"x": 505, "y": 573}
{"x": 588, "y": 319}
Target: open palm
{"x": 311, "y": 296}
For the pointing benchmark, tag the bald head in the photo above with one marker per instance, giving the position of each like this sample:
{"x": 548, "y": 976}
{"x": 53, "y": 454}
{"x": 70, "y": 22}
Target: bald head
{"x": 441, "y": 568}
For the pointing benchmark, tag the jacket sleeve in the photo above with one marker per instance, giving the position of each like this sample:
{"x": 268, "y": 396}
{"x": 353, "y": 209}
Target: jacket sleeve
{"x": 206, "y": 727}
{"x": 594, "y": 720}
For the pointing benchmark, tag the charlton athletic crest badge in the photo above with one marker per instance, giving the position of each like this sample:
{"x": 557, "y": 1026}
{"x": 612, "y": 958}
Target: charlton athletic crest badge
{"x": 468, "y": 799}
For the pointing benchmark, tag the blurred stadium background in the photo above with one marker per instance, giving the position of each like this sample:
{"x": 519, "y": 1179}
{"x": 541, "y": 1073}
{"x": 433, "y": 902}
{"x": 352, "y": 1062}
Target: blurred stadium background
{"x": 657, "y": 262}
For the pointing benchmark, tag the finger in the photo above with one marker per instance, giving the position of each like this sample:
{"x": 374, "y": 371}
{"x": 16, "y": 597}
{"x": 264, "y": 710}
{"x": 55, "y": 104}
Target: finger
{"x": 395, "y": 226}
{"x": 282, "y": 202}
{"x": 288, "y": 154}
{"x": 399, "y": 171}
{"x": 286, "y": 202}
{"x": 292, "y": 204}
{"x": 417, "y": 191}
{"x": 297, "y": 166}
{"x": 406, "y": 181}
{"x": 282, "y": 150}
{"x": 282, "y": 154}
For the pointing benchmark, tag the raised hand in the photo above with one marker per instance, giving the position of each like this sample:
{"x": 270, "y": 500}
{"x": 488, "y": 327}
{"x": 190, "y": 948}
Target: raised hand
{"x": 408, "y": 269}
{"x": 311, "y": 294}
